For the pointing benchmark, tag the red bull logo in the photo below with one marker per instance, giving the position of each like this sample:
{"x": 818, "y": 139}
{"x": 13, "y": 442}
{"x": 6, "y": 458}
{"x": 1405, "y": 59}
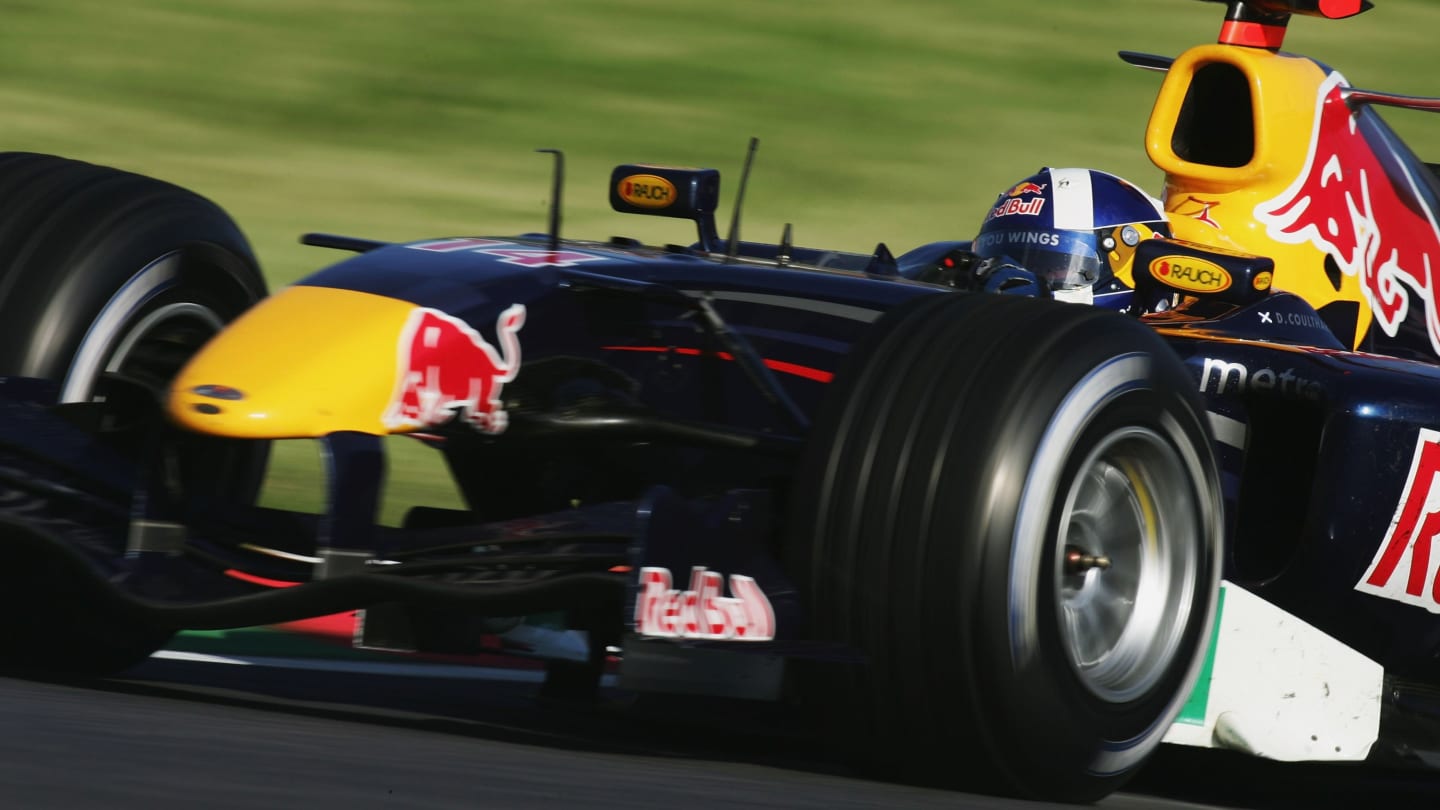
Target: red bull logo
{"x": 1375, "y": 224}
{"x": 447, "y": 368}
{"x": 703, "y": 611}
{"x": 1012, "y": 205}
{"x": 1026, "y": 188}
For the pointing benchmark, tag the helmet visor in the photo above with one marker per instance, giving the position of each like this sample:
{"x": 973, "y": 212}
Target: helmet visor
{"x": 1064, "y": 260}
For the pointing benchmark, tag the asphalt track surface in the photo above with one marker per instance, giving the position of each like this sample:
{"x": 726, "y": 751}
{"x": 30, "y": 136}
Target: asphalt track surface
{"x": 206, "y": 735}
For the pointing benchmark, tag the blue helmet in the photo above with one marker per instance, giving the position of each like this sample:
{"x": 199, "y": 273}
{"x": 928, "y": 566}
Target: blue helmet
{"x": 1074, "y": 230}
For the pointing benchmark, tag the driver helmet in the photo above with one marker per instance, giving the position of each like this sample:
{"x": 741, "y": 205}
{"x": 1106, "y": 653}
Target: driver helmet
{"x": 1074, "y": 230}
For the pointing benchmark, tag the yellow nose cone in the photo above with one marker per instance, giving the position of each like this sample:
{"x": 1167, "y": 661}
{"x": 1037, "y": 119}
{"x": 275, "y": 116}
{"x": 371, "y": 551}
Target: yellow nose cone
{"x": 303, "y": 363}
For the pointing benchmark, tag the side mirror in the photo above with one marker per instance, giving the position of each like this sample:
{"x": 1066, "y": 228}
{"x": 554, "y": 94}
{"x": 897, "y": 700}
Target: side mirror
{"x": 669, "y": 191}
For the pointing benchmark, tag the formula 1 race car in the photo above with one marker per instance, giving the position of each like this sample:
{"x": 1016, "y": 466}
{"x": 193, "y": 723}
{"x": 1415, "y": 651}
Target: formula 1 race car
{"x": 1002, "y": 540}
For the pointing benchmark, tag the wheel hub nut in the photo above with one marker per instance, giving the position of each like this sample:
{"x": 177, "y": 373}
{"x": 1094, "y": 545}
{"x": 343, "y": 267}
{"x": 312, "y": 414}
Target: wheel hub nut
{"x": 1078, "y": 560}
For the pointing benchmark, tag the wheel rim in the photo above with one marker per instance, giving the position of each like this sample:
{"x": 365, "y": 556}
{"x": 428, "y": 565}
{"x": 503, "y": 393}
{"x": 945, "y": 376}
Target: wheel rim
{"x": 153, "y": 351}
{"x": 151, "y": 348}
{"x": 1128, "y": 555}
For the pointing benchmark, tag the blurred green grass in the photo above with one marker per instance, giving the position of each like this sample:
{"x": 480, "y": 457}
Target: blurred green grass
{"x": 894, "y": 121}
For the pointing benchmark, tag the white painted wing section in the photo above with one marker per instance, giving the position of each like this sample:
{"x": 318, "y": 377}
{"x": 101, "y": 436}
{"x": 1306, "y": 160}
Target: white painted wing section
{"x": 1281, "y": 689}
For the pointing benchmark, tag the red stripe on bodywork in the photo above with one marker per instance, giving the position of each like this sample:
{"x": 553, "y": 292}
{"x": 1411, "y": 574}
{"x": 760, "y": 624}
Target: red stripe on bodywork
{"x": 336, "y": 626}
{"x": 261, "y": 581}
{"x": 795, "y": 369}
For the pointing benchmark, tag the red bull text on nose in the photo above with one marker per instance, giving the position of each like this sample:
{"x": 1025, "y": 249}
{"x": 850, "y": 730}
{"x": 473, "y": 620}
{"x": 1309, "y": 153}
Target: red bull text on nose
{"x": 446, "y": 367}
{"x": 1373, "y": 223}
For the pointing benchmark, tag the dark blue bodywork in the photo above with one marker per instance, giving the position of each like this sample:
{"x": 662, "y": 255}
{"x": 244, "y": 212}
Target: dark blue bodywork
{"x": 664, "y": 397}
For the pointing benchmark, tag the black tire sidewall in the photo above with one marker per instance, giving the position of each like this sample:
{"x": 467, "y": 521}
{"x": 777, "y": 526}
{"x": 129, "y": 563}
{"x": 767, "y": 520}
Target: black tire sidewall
{"x": 1037, "y": 703}
{"x": 60, "y": 308}
{"x": 81, "y": 250}
{"x": 74, "y": 237}
{"x": 902, "y": 533}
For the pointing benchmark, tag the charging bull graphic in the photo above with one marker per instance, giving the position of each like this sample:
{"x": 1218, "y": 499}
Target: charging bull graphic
{"x": 1358, "y": 204}
{"x": 446, "y": 367}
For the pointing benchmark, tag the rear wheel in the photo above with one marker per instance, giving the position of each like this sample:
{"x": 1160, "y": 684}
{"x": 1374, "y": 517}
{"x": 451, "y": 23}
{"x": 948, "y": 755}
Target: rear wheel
{"x": 1011, "y": 508}
{"x": 109, "y": 282}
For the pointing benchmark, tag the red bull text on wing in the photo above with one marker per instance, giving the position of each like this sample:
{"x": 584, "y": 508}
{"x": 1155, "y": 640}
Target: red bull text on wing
{"x": 446, "y": 367}
{"x": 703, "y": 611}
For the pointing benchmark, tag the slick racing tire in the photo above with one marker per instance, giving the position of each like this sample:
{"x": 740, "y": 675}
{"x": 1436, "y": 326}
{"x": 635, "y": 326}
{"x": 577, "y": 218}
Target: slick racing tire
{"x": 109, "y": 283}
{"x": 109, "y": 278}
{"x": 1011, "y": 508}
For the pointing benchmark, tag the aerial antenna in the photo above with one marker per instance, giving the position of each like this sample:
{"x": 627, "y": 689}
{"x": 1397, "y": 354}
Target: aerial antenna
{"x": 557, "y": 185}
{"x": 732, "y": 243}
{"x": 787, "y": 243}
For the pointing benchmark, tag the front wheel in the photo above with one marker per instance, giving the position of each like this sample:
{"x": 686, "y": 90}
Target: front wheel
{"x": 1011, "y": 507}
{"x": 109, "y": 282}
